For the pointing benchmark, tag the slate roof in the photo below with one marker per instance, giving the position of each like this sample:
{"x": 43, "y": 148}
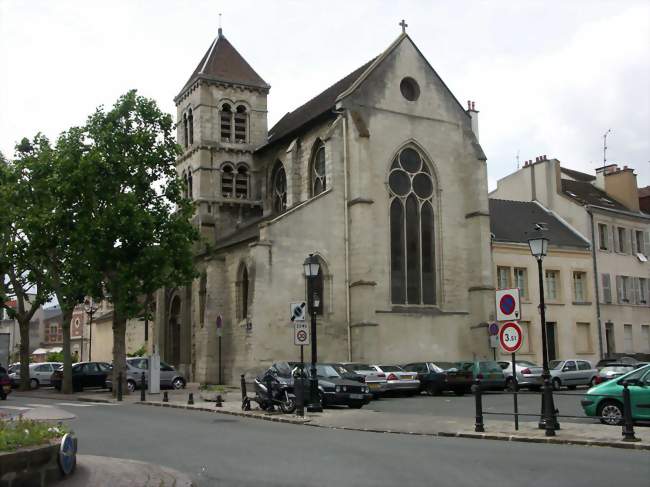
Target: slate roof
{"x": 514, "y": 221}
{"x": 319, "y": 105}
{"x": 644, "y": 192}
{"x": 588, "y": 194}
{"x": 222, "y": 62}
{"x": 577, "y": 175}
{"x": 249, "y": 232}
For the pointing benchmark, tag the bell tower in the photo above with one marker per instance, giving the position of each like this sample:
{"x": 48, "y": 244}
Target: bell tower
{"x": 222, "y": 119}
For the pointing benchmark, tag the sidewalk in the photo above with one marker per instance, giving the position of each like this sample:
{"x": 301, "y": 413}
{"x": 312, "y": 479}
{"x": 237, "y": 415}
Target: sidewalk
{"x": 109, "y": 472}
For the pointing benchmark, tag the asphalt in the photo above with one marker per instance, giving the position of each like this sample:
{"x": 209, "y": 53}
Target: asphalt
{"x": 219, "y": 450}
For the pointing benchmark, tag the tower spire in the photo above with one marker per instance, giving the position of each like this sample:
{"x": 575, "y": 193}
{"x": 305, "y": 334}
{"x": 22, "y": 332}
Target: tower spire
{"x": 220, "y": 29}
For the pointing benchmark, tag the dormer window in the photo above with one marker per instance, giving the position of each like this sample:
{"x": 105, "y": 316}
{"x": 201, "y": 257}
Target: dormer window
{"x": 226, "y": 122}
{"x": 241, "y": 119}
{"x": 227, "y": 180}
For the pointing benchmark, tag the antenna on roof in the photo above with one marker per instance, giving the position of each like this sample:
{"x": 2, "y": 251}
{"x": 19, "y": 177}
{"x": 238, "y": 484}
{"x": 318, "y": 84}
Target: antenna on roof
{"x": 605, "y": 147}
{"x": 517, "y": 158}
{"x": 220, "y": 30}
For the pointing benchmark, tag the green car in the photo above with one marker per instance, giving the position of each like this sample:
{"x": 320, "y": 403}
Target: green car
{"x": 606, "y": 399}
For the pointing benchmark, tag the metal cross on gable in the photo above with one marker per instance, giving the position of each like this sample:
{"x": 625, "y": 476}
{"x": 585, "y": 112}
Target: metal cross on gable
{"x": 404, "y": 26}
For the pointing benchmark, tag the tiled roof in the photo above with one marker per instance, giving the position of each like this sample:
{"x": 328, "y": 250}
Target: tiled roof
{"x": 588, "y": 194}
{"x": 577, "y": 175}
{"x": 644, "y": 192}
{"x": 314, "y": 108}
{"x": 222, "y": 62}
{"x": 514, "y": 221}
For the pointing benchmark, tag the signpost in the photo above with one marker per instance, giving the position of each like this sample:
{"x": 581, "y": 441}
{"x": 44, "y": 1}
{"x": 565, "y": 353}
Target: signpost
{"x": 301, "y": 337}
{"x": 508, "y": 304}
{"x": 219, "y": 335}
{"x": 511, "y": 337}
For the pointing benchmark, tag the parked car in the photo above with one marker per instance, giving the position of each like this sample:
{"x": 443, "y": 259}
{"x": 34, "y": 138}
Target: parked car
{"x": 39, "y": 374}
{"x": 170, "y": 378}
{"x": 397, "y": 379}
{"x": 612, "y": 371}
{"x": 347, "y": 373}
{"x": 335, "y": 390}
{"x": 606, "y": 400}
{"x": 375, "y": 380}
{"x": 488, "y": 372}
{"x": 529, "y": 374}
{"x": 572, "y": 373}
{"x": 84, "y": 374}
{"x": 437, "y": 377}
{"x": 5, "y": 384}
{"x": 621, "y": 360}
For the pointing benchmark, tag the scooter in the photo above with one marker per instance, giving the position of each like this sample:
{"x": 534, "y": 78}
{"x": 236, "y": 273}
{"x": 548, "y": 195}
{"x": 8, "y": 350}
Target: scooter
{"x": 282, "y": 394}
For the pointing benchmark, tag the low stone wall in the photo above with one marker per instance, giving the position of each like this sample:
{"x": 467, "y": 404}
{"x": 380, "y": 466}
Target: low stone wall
{"x": 31, "y": 466}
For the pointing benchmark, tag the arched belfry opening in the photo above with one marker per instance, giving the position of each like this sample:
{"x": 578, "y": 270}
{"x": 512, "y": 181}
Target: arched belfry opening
{"x": 173, "y": 349}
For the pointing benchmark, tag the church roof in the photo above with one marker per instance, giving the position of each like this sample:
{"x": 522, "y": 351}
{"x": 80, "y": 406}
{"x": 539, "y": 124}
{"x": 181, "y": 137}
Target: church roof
{"x": 222, "y": 62}
{"x": 514, "y": 221}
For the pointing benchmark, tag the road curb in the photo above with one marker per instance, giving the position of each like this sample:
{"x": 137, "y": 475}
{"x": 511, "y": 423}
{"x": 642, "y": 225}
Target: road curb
{"x": 443, "y": 434}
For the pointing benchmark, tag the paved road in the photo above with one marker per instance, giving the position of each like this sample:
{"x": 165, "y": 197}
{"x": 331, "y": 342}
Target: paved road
{"x": 219, "y": 451}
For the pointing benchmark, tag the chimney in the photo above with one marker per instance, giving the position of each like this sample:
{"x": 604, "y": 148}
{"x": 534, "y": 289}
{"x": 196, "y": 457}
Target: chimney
{"x": 473, "y": 113}
{"x": 600, "y": 175}
{"x": 621, "y": 185}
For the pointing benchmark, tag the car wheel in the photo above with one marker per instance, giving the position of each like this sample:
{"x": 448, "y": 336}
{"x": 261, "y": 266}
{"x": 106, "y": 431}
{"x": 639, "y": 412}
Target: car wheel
{"x": 33, "y": 383}
{"x": 459, "y": 392}
{"x": 556, "y": 384}
{"x": 510, "y": 385}
{"x": 178, "y": 383}
{"x": 432, "y": 389}
{"x": 571, "y": 388}
{"x": 610, "y": 412}
{"x": 535, "y": 388}
{"x": 130, "y": 385}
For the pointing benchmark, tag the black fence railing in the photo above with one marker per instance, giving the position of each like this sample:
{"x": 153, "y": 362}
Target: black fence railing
{"x": 550, "y": 414}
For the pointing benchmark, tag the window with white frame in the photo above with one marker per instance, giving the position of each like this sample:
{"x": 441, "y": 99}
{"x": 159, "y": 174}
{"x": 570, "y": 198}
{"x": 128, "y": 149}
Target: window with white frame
{"x": 551, "y": 285}
{"x": 639, "y": 241}
{"x": 503, "y": 277}
{"x": 580, "y": 286}
{"x": 628, "y": 338}
{"x": 622, "y": 240}
{"x": 521, "y": 281}
{"x": 645, "y": 338}
{"x": 603, "y": 237}
{"x": 624, "y": 289}
{"x": 643, "y": 290}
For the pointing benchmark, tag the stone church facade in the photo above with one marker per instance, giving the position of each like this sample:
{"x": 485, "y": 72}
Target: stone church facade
{"x": 380, "y": 176}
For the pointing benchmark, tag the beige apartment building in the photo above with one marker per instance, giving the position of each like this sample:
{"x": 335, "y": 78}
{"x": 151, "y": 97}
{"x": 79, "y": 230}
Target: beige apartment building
{"x": 567, "y": 275}
{"x": 603, "y": 209}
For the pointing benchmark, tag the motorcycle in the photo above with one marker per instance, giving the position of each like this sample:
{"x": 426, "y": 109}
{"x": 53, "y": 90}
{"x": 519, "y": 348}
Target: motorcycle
{"x": 282, "y": 394}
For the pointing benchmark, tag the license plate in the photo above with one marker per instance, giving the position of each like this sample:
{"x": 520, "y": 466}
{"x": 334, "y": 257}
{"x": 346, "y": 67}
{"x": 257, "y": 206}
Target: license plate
{"x": 7, "y": 388}
{"x": 407, "y": 377}
{"x": 356, "y": 396}
{"x": 373, "y": 386}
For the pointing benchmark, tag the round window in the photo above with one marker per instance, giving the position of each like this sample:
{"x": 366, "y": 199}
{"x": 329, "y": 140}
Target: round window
{"x": 410, "y": 89}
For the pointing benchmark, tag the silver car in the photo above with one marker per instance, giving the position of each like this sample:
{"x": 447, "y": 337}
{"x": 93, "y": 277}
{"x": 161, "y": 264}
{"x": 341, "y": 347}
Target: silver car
{"x": 376, "y": 381}
{"x": 170, "y": 378}
{"x": 39, "y": 374}
{"x": 397, "y": 379}
{"x": 572, "y": 373}
{"x": 529, "y": 375}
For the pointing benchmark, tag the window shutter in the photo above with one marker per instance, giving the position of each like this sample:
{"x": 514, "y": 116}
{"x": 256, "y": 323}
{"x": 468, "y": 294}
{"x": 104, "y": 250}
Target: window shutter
{"x": 646, "y": 238}
{"x": 615, "y": 234}
{"x": 633, "y": 248}
{"x": 607, "y": 288}
{"x": 611, "y": 242}
{"x": 636, "y": 298}
{"x": 619, "y": 289}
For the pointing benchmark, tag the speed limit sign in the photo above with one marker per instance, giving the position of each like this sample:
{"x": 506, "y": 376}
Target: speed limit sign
{"x": 510, "y": 337}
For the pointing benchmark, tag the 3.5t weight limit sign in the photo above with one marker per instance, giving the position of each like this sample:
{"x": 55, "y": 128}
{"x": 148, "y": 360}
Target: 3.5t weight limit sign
{"x": 511, "y": 337}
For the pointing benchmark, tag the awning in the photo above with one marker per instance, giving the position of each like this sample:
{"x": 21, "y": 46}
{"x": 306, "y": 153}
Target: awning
{"x": 40, "y": 351}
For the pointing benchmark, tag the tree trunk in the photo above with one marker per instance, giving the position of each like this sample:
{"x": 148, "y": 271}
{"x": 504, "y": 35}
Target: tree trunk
{"x": 67, "y": 358}
{"x": 119, "y": 350}
{"x": 23, "y": 325}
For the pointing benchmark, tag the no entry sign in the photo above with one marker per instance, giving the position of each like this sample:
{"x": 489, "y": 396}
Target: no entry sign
{"x": 507, "y": 303}
{"x": 511, "y": 337}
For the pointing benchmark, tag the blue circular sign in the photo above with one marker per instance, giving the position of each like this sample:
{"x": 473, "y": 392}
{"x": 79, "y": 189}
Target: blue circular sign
{"x": 494, "y": 329}
{"x": 507, "y": 304}
{"x": 68, "y": 454}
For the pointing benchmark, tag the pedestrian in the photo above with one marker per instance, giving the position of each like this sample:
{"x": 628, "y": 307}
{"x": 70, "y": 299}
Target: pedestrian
{"x": 75, "y": 358}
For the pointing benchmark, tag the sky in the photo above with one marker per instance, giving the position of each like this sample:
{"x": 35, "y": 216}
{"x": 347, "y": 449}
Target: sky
{"x": 548, "y": 77}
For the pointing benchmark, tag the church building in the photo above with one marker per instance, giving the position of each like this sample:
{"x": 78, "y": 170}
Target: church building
{"x": 380, "y": 176}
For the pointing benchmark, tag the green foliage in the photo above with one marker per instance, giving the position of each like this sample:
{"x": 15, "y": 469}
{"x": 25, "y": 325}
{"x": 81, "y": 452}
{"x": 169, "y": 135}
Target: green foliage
{"x": 212, "y": 388}
{"x": 15, "y": 434}
{"x": 140, "y": 352}
{"x": 54, "y": 357}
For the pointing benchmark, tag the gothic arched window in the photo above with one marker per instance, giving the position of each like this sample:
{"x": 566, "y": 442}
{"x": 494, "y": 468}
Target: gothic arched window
{"x": 190, "y": 191}
{"x": 279, "y": 188}
{"x": 226, "y": 122}
{"x": 190, "y": 124}
{"x": 318, "y": 179}
{"x": 241, "y": 182}
{"x": 185, "y": 129}
{"x": 241, "y": 118}
{"x": 227, "y": 180}
{"x": 242, "y": 291}
{"x": 412, "y": 249}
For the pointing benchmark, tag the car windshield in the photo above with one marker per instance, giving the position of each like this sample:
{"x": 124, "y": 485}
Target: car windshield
{"x": 391, "y": 368}
{"x": 326, "y": 371}
{"x": 489, "y": 366}
{"x": 617, "y": 368}
{"x": 636, "y": 374}
{"x": 359, "y": 367}
{"x": 342, "y": 369}
{"x": 555, "y": 364}
{"x": 447, "y": 365}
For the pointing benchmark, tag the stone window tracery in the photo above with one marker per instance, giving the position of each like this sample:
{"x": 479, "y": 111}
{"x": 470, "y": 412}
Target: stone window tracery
{"x": 241, "y": 119}
{"x": 318, "y": 176}
{"x": 226, "y": 122}
{"x": 279, "y": 188}
{"x": 412, "y": 235}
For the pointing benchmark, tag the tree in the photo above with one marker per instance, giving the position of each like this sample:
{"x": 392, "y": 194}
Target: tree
{"x": 142, "y": 238}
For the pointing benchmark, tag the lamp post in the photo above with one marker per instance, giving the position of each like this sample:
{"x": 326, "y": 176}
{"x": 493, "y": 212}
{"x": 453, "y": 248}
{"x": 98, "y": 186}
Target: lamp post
{"x": 90, "y": 308}
{"x": 539, "y": 249}
{"x": 311, "y": 268}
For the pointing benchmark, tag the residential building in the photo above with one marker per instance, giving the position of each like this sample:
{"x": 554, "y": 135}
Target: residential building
{"x": 603, "y": 208}
{"x": 567, "y": 272}
{"x": 380, "y": 176}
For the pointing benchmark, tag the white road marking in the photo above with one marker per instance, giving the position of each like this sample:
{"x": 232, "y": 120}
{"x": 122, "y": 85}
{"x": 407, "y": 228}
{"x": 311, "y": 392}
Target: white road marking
{"x": 39, "y": 405}
{"x": 77, "y": 405}
{"x": 17, "y": 408}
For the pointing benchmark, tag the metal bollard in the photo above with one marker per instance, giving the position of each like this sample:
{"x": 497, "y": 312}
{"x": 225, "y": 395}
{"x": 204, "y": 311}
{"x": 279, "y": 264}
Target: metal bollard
{"x": 165, "y": 397}
{"x": 478, "y": 426}
{"x": 119, "y": 386}
{"x": 219, "y": 401}
{"x": 299, "y": 391}
{"x": 628, "y": 423}
{"x": 269, "y": 392}
{"x": 245, "y": 402}
{"x": 190, "y": 399}
{"x": 142, "y": 388}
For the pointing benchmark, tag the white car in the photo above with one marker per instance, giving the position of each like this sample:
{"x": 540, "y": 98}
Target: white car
{"x": 398, "y": 379}
{"x": 39, "y": 374}
{"x": 375, "y": 380}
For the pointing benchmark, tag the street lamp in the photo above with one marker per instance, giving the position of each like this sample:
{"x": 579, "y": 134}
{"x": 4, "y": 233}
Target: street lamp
{"x": 90, "y": 308}
{"x": 547, "y": 421}
{"x": 311, "y": 268}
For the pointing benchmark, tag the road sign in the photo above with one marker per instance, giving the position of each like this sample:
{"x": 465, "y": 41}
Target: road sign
{"x": 510, "y": 337}
{"x": 219, "y": 325}
{"x": 507, "y": 301}
{"x": 300, "y": 333}
{"x": 493, "y": 329}
{"x": 297, "y": 311}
